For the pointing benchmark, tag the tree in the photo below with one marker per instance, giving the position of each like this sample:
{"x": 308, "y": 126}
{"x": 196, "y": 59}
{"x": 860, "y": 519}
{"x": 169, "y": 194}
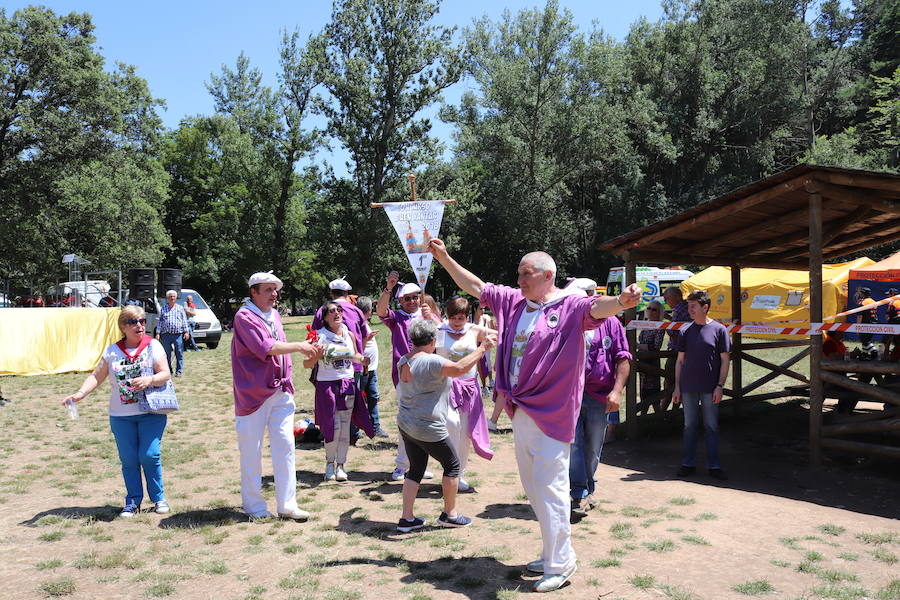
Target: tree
{"x": 76, "y": 150}
{"x": 382, "y": 63}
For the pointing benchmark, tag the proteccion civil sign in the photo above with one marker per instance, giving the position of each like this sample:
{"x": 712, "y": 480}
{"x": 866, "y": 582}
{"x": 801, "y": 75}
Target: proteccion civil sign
{"x": 416, "y": 223}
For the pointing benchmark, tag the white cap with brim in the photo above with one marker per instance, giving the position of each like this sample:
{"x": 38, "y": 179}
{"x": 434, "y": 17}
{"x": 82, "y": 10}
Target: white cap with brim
{"x": 408, "y": 288}
{"x": 340, "y": 284}
{"x": 588, "y": 285}
{"x": 265, "y": 278}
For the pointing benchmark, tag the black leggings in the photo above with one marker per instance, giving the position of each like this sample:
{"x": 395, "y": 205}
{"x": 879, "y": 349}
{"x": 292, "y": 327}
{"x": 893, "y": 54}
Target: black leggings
{"x": 419, "y": 451}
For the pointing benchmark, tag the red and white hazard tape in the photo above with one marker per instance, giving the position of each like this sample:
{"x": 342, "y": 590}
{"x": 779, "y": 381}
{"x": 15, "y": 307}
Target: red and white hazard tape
{"x": 886, "y": 328}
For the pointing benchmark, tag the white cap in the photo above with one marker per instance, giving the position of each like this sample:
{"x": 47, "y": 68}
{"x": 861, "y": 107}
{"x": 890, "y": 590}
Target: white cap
{"x": 340, "y": 284}
{"x": 588, "y": 285}
{"x": 265, "y": 278}
{"x": 408, "y": 288}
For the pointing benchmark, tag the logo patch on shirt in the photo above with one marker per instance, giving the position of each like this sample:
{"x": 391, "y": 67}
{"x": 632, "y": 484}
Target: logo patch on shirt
{"x": 553, "y": 320}
{"x": 607, "y": 342}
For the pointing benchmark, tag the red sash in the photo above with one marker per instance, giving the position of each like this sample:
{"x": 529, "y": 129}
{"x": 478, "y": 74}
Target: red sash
{"x": 131, "y": 358}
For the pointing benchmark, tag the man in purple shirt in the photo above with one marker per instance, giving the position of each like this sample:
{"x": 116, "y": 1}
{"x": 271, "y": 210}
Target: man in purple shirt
{"x": 700, "y": 373}
{"x": 264, "y": 398}
{"x": 540, "y": 371}
{"x": 606, "y": 373}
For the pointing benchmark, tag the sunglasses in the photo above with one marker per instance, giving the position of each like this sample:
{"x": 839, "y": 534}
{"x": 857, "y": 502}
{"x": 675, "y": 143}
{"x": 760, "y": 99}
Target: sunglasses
{"x": 136, "y": 321}
{"x": 408, "y": 298}
{"x": 335, "y": 309}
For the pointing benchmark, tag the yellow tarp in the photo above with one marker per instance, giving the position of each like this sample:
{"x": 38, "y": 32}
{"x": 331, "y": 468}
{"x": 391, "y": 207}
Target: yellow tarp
{"x": 774, "y": 294}
{"x": 40, "y": 341}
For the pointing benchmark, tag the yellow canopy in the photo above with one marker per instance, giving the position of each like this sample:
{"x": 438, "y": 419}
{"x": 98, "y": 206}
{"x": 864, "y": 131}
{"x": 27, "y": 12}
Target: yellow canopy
{"x": 774, "y": 294}
{"x": 40, "y": 341}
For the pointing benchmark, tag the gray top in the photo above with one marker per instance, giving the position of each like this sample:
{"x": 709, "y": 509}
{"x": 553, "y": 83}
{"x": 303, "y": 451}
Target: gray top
{"x": 423, "y": 402}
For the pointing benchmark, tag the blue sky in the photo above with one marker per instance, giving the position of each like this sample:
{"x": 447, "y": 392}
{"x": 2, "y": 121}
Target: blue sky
{"x": 176, "y": 45}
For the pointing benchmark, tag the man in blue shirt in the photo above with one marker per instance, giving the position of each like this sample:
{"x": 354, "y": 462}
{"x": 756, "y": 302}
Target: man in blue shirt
{"x": 173, "y": 329}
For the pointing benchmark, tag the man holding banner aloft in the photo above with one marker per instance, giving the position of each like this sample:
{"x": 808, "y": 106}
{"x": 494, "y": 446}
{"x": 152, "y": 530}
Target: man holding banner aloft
{"x": 540, "y": 370}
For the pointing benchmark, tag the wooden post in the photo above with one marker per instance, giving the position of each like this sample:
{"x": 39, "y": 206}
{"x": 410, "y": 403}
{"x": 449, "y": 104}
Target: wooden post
{"x": 631, "y": 425}
{"x": 815, "y": 344}
{"x": 412, "y": 185}
{"x": 736, "y": 383}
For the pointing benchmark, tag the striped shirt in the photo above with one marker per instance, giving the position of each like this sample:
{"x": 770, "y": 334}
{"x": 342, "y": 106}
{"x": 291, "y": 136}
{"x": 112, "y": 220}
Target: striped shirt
{"x": 172, "y": 320}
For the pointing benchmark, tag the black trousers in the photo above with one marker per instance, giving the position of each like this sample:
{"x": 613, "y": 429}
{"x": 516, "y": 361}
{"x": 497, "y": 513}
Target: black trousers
{"x": 419, "y": 451}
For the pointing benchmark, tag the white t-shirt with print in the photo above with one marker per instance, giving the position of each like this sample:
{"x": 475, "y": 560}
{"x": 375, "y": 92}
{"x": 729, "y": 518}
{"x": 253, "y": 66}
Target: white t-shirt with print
{"x": 371, "y": 352}
{"x": 339, "y": 352}
{"x": 123, "y": 401}
{"x": 524, "y": 329}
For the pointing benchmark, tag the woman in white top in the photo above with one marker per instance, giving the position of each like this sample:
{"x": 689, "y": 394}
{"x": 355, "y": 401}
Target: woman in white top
{"x": 456, "y": 339}
{"x": 133, "y": 364}
{"x": 338, "y": 401}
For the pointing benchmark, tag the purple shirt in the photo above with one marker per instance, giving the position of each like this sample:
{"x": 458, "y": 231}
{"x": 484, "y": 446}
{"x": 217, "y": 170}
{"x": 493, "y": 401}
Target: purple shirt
{"x": 257, "y": 375}
{"x": 702, "y": 346}
{"x": 551, "y": 377}
{"x": 355, "y": 321}
{"x": 608, "y": 348}
{"x": 398, "y": 322}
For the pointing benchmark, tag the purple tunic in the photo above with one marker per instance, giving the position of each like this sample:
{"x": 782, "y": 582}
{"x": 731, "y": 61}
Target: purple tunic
{"x": 465, "y": 395}
{"x": 255, "y": 374}
{"x": 398, "y": 322}
{"x": 332, "y": 396}
{"x": 355, "y": 321}
{"x": 608, "y": 347}
{"x": 551, "y": 377}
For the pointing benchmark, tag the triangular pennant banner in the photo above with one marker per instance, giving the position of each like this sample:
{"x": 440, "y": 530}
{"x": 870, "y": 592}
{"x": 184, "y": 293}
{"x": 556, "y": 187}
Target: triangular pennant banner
{"x": 416, "y": 223}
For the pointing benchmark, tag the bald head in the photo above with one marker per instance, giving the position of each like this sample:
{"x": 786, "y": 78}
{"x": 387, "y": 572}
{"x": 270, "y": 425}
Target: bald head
{"x": 540, "y": 261}
{"x": 536, "y": 276}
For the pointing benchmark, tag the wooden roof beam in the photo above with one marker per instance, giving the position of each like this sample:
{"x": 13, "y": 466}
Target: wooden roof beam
{"x": 880, "y": 200}
{"x": 742, "y": 233}
{"x": 715, "y": 214}
{"x": 887, "y": 182}
{"x": 862, "y": 246}
{"x": 832, "y": 229}
{"x": 670, "y": 258}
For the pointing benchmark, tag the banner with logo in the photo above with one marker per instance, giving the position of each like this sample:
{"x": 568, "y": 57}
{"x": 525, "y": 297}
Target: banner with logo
{"x": 416, "y": 223}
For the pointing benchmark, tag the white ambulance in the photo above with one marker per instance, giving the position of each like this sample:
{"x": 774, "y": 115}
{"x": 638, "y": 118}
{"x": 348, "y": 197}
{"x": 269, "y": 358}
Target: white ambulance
{"x": 652, "y": 281}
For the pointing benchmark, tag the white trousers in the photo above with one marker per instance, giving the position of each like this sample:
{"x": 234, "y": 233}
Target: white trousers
{"x": 336, "y": 449}
{"x": 277, "y": 415}
{"x": 544, "y": 470}
{"x": 458, "y": 429}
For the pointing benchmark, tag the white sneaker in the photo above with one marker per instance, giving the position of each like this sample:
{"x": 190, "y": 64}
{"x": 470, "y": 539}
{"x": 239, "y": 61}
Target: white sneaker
{"x": 263, "y": 514}
{"x": 340, "y": 474}
{"x": 329, "y": 472}
{"x": 398, "y": 474}
{"x": 297, "y": 514}
{"x": 536, "y": 566}
{"x": 162, "y": 507}
{"x": 428, "y": 475}
{"x": 549, "y": 583}
{"x": 463, "y": 486}
{"x": 492, "y": 426}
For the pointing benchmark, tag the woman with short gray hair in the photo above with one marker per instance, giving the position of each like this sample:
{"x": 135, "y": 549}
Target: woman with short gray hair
{"x": 422, "y": 399}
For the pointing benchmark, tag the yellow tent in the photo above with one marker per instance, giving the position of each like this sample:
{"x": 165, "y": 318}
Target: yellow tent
{"x": 774, "y": 294}
{"x": 39, "y": 341}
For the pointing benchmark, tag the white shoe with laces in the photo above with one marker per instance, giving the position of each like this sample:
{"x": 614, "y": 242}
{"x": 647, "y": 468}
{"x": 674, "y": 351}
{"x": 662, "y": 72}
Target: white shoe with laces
{"x": 549, "y": 583}
{"x": 340, "y": 474}
{"x": 398, "y": 474}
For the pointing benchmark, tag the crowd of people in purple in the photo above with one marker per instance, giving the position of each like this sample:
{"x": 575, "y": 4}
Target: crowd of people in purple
{"x": 561, "y": 361}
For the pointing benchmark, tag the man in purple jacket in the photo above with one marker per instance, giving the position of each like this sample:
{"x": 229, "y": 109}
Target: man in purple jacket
{"x": 606, "y": 373}
{"x": 540, "y": 371}
{"x": 264, "y": 398}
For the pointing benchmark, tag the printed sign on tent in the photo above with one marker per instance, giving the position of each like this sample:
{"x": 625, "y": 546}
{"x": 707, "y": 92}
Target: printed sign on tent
{"x": 416, "y": 223}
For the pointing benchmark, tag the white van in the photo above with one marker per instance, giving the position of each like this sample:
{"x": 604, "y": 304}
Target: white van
{"x": 207, "y": 330}
{"x": 652, "y": 281}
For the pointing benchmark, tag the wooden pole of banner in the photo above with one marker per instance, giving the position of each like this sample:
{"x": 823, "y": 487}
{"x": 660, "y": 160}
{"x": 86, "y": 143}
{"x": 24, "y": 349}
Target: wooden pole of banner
{"x": 412, "y": 185}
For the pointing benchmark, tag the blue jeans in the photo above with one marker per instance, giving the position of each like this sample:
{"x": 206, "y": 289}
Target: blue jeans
{"x": 369, "y": 384}
{"x": 692, "y": 403}
{"x": 176, "y": 340}
{"x": 590, "y": 431}
{"x": 192, "y": 343}
{"x": 138, "y": 439}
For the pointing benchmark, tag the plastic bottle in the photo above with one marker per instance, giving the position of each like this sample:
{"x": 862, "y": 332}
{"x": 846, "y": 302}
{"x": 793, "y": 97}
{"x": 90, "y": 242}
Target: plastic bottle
{"x": 72, "y": 407}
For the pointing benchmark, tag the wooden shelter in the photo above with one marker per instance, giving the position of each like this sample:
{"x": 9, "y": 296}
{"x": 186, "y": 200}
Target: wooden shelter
{"x": 795, "y": 219}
